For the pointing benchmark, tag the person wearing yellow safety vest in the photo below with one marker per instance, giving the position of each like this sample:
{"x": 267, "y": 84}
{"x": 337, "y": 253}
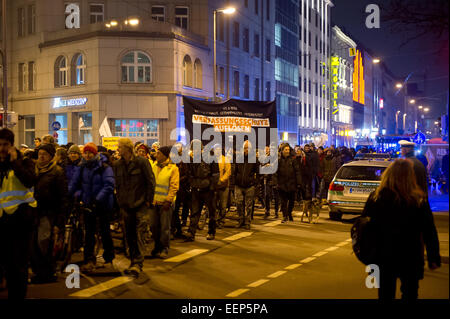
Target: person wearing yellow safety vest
{"x": 17, "y": 178}
{"x": 167, "y": 180}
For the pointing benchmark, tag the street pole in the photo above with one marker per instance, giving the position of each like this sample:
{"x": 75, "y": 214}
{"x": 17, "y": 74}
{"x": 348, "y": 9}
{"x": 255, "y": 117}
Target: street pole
{"x": 214, "y": 54}
{"x": 5, "y": 66}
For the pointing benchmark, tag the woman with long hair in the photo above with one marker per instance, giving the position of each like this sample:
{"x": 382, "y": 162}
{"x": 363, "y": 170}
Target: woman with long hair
{"x": 403, "y": 224}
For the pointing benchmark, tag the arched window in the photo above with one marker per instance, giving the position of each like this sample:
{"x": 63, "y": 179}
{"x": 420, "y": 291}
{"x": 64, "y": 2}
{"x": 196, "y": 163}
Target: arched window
{"x": 136, "y": 67}
{"x": 61, "y": 70}
{"x": 198, "y": 74}
{"x": 187, "y": 71}
{"x": 79, "y": 67}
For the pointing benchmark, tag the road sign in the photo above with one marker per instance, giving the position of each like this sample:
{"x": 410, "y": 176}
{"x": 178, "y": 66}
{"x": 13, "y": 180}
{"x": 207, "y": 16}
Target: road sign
{"x": 55, "y": 135}
{"x": 56, "y": 126}
{"x": 419, "y": 138}
{"x": 352, "y": 51}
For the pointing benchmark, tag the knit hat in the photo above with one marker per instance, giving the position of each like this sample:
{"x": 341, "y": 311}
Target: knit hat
{"x": 49, "y": 148}
{"x": 143, "y": 146}
{"x": 91, "y": 147}
{"x": 165, "y": 150}
{"x": 74, "y": 149}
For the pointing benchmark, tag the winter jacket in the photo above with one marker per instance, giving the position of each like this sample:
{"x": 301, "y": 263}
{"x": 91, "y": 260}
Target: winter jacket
{"x": 135, "y": 182}
{"x": 288, "y": 175}
{"x": 183, "y": 169}
{"x": 329, "y": 167}
{"x": 71, "y": 168}
{"x": 245, "y": 174}
{"x": 93, "y": 183}
{"x": 420, "y": 171}
{"x": 203, "y": 176}
{"x": 401, "y": 231}
{"x": 307, "y": 166}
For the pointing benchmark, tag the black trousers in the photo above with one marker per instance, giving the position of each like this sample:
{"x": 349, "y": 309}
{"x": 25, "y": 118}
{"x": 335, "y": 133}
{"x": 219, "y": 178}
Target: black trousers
{"x": 15, "y": 236}
{"x": 183, "y": 199}
{"x": 199, "y": 199}
{"x": 287, "y": 202}
{"x": 388, "y": 285}
{"x": 90, "y": 220}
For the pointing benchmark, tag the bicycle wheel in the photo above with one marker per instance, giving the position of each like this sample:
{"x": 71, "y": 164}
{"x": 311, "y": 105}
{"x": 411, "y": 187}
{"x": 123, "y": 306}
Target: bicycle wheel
{"x": 202, "y": 219}
{"x": 67, "y": 249}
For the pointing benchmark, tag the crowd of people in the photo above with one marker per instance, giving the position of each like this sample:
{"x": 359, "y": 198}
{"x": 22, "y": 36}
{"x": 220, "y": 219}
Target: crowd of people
{"x": 40, "y": 186}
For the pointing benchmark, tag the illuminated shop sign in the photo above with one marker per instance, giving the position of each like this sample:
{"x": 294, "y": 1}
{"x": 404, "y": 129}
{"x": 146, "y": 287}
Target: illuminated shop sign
{"x": 334, "y": 83}
{"x": 58, "y": 102}
{"x": 358, "y": 78}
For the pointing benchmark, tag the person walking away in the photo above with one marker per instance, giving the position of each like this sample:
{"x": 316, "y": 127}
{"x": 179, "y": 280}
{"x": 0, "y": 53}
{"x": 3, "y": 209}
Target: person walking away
{"x": 289, "y": 180}
{"x": 50, "y": 192}
{"x": 167, "y": 184}
{"x": 135, "y": 187}
{"x": 316, "y": 164}
{"x": 203, "y": 178}
{"x": 407, "y": 150}
{"x": 183, "y": 197}
{"x": 93, "y": 185}
{"x": 17, "y": 203}
{"x": 270, "y": 185}
{"x": 245, "y": 175}
{"x": 223, "y": 185}
{"x": 402, "y": 225}
{"x": 329, "y": 167}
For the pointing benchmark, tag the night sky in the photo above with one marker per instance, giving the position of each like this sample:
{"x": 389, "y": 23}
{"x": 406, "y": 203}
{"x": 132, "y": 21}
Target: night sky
{"x": 418, "y": 56}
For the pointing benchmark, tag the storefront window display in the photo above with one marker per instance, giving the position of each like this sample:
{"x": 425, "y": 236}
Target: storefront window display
{"x": 143, "y": 130}
{"x": 85, "y": 127}
{"x": 62, "y": 132}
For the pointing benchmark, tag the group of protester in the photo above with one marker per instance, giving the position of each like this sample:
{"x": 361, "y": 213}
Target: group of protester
{"x": 40, "y": 186}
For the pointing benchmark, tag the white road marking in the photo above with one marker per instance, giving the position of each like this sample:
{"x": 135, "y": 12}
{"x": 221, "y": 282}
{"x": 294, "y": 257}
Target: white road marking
{"x": 94, "y": 290}
{"x": 271, "y": 224}
{"x": 258, "y": 283}
{"x": 237, "y": 292}
{"x": 293, "y": 266}
{"x": 186, "y": 255}
{"x": 277, "y": 274}
{"x": 238, "y": 236}
{"x": 320, "y": 253}
{"x": 307, "y": 260}
{"x": 331, "y": 248}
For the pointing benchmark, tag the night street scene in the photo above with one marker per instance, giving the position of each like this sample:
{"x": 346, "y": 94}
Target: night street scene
{"x": 220, "y": 158}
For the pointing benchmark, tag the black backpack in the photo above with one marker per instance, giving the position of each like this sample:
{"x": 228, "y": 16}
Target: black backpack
{"x": 364, "y": 240}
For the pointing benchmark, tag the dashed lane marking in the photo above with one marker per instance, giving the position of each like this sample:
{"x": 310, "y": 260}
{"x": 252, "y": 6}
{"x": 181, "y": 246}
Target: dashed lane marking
{"x": 258, "y": 283}
{"x": 237, "y": 293}
{"x": 349, "y": 240}
{"x": 307, "y": 260}
{"x": 320, "y": 254}
{"x": 331, "y": 248}
{"x": 186, "y": 255}
{"x": 238, "y": 236}
{"x": 277, "y": 274}
{"x": 293, "y": 266}
{"x": 94, "y": 290}
{"x": 275, "y": 223}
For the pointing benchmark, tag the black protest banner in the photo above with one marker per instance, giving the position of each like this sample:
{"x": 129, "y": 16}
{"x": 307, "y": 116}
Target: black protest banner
{"x": 234, "y": 120}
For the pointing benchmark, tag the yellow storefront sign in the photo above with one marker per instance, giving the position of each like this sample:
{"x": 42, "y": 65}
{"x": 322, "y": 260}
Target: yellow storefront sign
{"x": 111, "y": 143}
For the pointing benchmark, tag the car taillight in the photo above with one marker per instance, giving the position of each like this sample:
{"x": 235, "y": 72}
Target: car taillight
{"x": 336, "y": 187}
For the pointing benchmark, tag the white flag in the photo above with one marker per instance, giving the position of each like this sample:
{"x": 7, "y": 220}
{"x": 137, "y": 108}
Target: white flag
{"x": 104, "y": 130}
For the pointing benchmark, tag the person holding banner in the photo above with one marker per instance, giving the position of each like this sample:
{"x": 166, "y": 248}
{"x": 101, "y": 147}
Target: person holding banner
{"x": 245, "y": 175}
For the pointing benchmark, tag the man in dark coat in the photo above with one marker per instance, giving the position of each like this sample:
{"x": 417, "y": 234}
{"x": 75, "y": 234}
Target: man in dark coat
{"x": 183, "y": 198}
{"x": 135, "y": 188}
{"x": 407, "y": 149}
{"x": 16, "y": 225}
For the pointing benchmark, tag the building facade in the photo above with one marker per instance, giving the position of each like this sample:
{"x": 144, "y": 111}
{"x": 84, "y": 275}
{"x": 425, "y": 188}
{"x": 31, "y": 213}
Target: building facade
{"x": 128, "y": 64}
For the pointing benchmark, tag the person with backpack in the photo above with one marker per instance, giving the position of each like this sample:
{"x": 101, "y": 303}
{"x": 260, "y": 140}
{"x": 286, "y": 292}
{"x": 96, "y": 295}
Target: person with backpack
{"x": 93, "y": 185}
{"x": 400, "y": 224}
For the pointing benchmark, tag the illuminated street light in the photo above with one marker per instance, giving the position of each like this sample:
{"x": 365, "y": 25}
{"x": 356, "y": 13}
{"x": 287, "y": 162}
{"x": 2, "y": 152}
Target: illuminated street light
{"x": 376, "y": 60}
{"x": 420, "y": 107}
{"x": 412, "y": 101}
{"x": 399, "y": 85}
{"x": 108, "y": 25}
{"x": 426, "y": 109}
{"x": 114, "y": 23}
{"x": 436, "y": 123}
{"x": 133, "y": 21}
{"x": 227, "y": 10}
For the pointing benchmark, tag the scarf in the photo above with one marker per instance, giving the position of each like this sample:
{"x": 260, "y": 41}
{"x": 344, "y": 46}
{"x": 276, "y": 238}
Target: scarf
{"x": 44, "y": 168}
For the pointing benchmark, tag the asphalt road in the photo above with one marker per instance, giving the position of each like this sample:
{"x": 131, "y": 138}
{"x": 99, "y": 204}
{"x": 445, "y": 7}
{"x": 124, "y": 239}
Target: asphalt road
{"x": 271, "y": 261}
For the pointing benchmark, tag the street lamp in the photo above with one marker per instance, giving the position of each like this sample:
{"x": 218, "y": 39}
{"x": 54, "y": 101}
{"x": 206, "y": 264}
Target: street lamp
{"x": 404, "y": 122}
{"x": 399, "y": 85}
{"x": 412, "y": 101}
{"x": 426, "y": 109}
{"x": 376, "y": 60}
{"x": 229, "y": 10}
{"x": 420, "y": 107}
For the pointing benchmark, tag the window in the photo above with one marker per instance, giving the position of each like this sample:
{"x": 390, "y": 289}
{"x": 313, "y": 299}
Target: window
{"x": 198, "y": 74}
{"x": 256, "y": 97}
{"x": 317, "y": 19}
{"x": 246, "y": 87}
{"x": 143, "y": 130}
{"x": 300, "y": 57}
{"x": 236, "y": 34}
{"x": 317, "y": 43}
{"x": 268, "y": 50}
{"x": 256, "y": 45}
{"x": 20, "y": 22}
{"x": 309, "y": 86}
{"x": 85, "y": 127}
{"x": 268, "y": 10}
{"x": 31, "y": 19}
{"x": 310, "y": 14}
{"x": 187, "y": 71}
{"x": 236, "y": 83}
{"x": 136, "y": 67}
{"x": 96, "y": 12}
{"x": 246, "y": 40}
{"x": 309, "y": 38}
{"x": 309, "y": 110}
{"x": 256, "y": 7}
{"x": 79, "y": 65}
{"x": 29, "y": 130}
{"x": 31, "y": 73}
{"x": 309, "y": 61}
{"x": 61, "y": 71}
{"x": 182, "y": 17}
{"x": 317, "y": 112}
{"x": 268, "y": 89}
{"x": 304, "y": 36}
{"x": 62, "y": 133}
{"x": 21, "y": 77}
{"x": 222, "y": 79}
{"x": 159, "y": 13}
{"x": 366, "y": 173}
{"x": 317, "y": 67}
